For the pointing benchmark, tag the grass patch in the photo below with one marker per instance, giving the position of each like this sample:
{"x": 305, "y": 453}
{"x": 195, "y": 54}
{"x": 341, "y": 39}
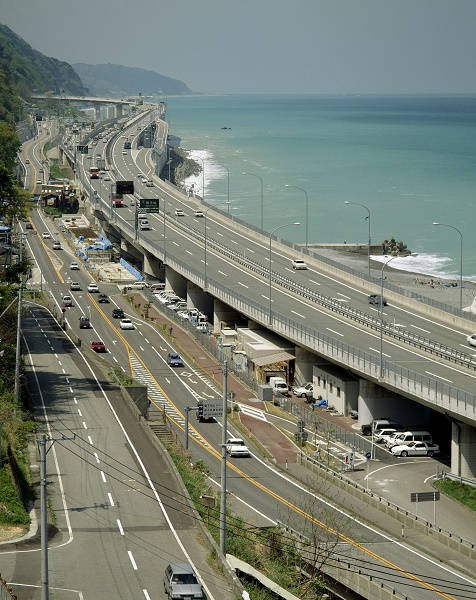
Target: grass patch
{"x": 464, "y": 494}
{"x": 12, "y": 511}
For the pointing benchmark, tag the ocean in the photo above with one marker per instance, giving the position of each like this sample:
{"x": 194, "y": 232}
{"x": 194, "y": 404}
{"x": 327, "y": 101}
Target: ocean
{"x": 409, "y": 160}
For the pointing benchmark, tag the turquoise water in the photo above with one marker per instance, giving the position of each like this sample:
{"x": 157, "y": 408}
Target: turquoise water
{"x": 409, "y": 160}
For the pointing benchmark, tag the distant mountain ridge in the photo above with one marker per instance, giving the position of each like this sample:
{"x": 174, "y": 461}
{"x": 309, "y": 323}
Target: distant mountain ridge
{"x": 27, "y": 69}
{"x": 119, "y": 81}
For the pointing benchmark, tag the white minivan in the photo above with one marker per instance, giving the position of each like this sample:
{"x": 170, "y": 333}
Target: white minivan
{"x": 144, "y": 224}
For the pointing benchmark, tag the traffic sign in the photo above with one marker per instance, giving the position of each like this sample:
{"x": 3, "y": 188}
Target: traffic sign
{"x": 82, "y": 149}
{"x": 424, "y": 496}
{"x": 207, "y": 410}
{"x": 151, "y": 205}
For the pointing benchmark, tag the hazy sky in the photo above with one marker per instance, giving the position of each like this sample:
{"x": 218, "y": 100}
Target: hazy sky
{"x": 265, "y": 46}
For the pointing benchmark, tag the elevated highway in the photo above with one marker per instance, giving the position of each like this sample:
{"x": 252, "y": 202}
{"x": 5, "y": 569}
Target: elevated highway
{"x": 411, "y": 363}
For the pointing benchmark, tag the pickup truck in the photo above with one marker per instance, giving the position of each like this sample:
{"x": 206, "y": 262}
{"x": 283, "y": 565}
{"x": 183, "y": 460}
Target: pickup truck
{"x": 236, "y": 447}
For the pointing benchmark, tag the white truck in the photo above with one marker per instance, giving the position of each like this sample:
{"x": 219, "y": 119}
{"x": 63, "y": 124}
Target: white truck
{"x": 279, "y": 385}
{"x": 236, "y": 447}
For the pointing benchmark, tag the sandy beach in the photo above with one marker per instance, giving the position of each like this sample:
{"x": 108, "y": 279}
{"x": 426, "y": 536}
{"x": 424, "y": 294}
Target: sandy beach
{"x": 436, "y": 288}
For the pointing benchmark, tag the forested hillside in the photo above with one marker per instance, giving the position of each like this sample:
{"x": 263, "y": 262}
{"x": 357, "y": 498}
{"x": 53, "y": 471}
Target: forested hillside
{"x": 118, "y": 81}
{"x": 24, "y": 69}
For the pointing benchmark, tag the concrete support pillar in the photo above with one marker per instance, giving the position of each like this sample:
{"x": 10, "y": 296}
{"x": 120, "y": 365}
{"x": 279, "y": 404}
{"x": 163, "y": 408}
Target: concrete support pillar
{"x": 463, "y": 450}
{"x": 197, "y": 298}
{"x": 223, "y": 315}
{"x": 376, "y": 402}
{"x": 153, "y": 266}
{"x": 174, "y": 281}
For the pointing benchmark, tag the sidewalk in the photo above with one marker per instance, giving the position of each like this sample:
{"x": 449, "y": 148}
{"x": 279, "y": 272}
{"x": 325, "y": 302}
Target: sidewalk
{"x": 285, "y": 455}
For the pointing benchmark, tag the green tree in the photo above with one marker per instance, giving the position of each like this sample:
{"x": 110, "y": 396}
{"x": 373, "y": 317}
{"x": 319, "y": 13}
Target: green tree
{"x": 9, "y": 145}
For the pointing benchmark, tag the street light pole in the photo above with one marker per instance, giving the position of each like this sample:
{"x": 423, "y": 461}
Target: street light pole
{"x": 262, "y": 207}
{"x": 460, "y": 262}
{"x": 368, "y": 217}
{"x": 307, "y": 210}
{"x": 380, "y": 310}
{"x": 270, "y": 261}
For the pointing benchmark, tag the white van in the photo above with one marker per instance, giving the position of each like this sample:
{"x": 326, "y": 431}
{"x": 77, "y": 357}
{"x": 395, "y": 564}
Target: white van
{"x": 144, "y": 224}
{"x": 405, "y": 437}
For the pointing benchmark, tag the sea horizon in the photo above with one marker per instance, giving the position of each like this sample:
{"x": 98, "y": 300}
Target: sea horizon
{"x": 406, "y": 158}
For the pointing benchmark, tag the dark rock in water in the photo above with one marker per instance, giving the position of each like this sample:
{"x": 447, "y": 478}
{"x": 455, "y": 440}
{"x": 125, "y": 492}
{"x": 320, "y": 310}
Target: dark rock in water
{"x": 393, "y": 248}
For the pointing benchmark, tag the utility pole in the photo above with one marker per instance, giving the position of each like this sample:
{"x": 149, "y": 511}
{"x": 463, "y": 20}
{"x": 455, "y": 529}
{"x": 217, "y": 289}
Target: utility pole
{"x": 223, "y": 463}
{"x": 44, "y": 512}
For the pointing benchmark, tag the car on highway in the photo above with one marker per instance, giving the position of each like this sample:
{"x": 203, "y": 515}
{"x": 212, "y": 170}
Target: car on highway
{"x": 74, "y": 266}
{"x": 46, "y": 235}
{"x": 303, "y": 391}
{"x": 471, "y": 339}
{"x": 375, "y": 299}
{"x": 299, "y": 265}
{"x": 126, "y": 324}
{"x": 124, "y": 152}
{"x": 98, "y": 346}
{"x": 181, "y": 583}
{"x": 93, "y": 288}
{"x": 149, "y": 183}
{"x": 75, "y": 286}
{"x": 84, "y": 322}
{"x": 174, "y": 359}
{"x": 179, "y": 212}
{"x": 199, "y": 213}
{"x": 39, "y": 181}
{"x": 28, "y": 225}
{"x": 57, "y": 246}
{"x": 27, "y": 162}
{"x": 118, "y": 313}
{"x": 236, "y": 447}
{"x": 67, "y": 301}
{"x": 103, "y": 298}
{"x": 415, "y": 449}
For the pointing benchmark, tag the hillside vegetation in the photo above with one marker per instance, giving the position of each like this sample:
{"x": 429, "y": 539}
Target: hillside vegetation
{"x": 25, "y": 69}
{"x": 118, "y": 81}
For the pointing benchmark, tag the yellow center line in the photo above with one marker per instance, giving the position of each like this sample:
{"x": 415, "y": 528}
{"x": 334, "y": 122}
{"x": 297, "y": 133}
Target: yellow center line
{"x": 269, "y": 492}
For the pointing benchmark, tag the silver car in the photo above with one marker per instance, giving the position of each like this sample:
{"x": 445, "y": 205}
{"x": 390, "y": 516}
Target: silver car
{"x": 181, "y": 582}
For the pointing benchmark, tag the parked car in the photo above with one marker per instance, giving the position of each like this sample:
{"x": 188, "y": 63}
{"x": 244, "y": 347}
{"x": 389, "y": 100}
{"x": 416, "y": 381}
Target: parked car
{"x": 117, "y": 313}
{"x": 236, "y": 447}
{"x": 304, "y": 391}
{"x": 299, "y": 264}
{"x": 93, "y": 288}
{"x": 103, "y": 298}
{"x": 137, "y": 285}
{"x": 84, "y": 322}
{"x": 384, "y": 435}
{"x": 181, "y": 583}
{"x": 174, "y": 359}
{"x": 74, "y": 266}
{"x": 375, "y": 299}
{"x": 126, "y": 324}
{"x": 75, "y": 286}
{"x": 98, "y": 346}
{"x": 415, "y": 449}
